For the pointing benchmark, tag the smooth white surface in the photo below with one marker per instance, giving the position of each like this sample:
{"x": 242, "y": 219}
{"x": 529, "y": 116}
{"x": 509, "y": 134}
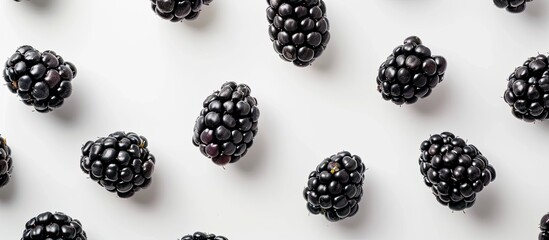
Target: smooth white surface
{"x": 140, "y": 73}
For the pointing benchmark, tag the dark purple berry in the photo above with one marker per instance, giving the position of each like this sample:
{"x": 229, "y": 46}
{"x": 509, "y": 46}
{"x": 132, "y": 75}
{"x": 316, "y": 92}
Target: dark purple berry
{"x": 513, "y": 6}
{"x": 410, "y": 72}
{"x": 178, "y": 10}
{"x": 454, "y": 170}
{"x": 299, "y": 30}
{"x": 57, "y": 225}
{"x": 334, "y": 189}
{"x": 227, "y": 124}
{"x": 202, "y": 236}
{"x": 120, "y": 163}
{"x": 528, "y": 90}
{"x": 6, "y": 163}
{"x": 42, "y": 80}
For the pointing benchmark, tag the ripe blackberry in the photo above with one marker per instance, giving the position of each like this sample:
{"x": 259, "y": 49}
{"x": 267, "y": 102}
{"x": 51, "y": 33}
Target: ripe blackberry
{"x": 334, "y": 189}
{"x": 514, "y": 6}
{"x": 456, "y": 171}
{"x": 544, "y": 226}
{"x": 42, "y": 80}
{"x": 203, "y": 236}
{"x": 410, "y": 72}
{"x": 5, "y": 162}
{"x": 49, "y": 226}
{"x": 298, "y": 29}
{"x": 227, "y": 124}
{"x": 178, "y": 10}
{"x": 528, "y": 90}
{"x": 120, "y": 162}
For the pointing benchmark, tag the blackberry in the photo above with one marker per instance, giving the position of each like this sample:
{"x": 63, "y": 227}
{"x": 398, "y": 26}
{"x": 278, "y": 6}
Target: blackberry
{"x": 48, "y": 226}
{"x": 334, "y": 189}
{"x": 120, "y": 163}
{"x": 544, "y": 226}
{"x": 203, "y": 236}
{"x": 528, "y": 90}
{"x": 410, "y": 72}
{"x": 5, "y": 162}
{"x": 42, "y": 80}
{"x": 454, "y": 170}
{"x": 298, "y": 29}
{"x": 514, "y": 6}
{"x": 178, "y": 10}
{"x": 227, "y": 124}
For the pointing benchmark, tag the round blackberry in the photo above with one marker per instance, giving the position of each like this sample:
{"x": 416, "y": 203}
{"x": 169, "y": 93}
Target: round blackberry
{"x": 227, "y": 124}
{"x": 410, "y": 72}
{"x": 334, "y": 189}
{"x": 203, "y": 236}
{"x": 298, "y": 29}
{"x": 514, "y": 6}
{"x": 178, "y": 10}
{"x": 528, "y": 90}
{"x": 544, "y": 226}
{"x": 42, "y": 80}
{"x": 120, "y": 163}
{"x": 5, "y": 162}
{"x": 49, "y": 226}
{"x": 454, "y": 170}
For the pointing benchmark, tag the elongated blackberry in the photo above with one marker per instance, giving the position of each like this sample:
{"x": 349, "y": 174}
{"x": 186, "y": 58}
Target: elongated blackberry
{"x": 528, "y": 90}
{"x": 454, "y": 170}
{"x": 50, "y": 226}
{"x": 5, "y": 162}
{"x": 178, "y": 10}
{"x": 225, "y": 129}
{"x": 42, "y": 80}
{"x": 514, "y": 6}
{"x": 202, "y": 236}
{"x": 334, "y": 189}
{"x": 298, "y": 29}
{"x": 120, "y": 163}
{"x": 544, "y": 226}
{"x": 410, "y": 72}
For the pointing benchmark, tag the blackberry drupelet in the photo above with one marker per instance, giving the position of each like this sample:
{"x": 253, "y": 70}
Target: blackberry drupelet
{"x": 227, "y": 124}
{"x": 49, "y": 226}
{"x": 41, "y": 79}
{"x": 454, "y": 170}
{"x": 544, "y": 226}
{"x": 178, "y": 10}
{"x": 514, "y": 6}
{"x": 410, "y": 72}
{"x": 5, "y": 162}
{"x": 334, "y": 189}
{"x": 203, "y": 236}
{"x": 298, "y": 29}
{"x": 528, "y": 90}
{"x": 120, "y": 163}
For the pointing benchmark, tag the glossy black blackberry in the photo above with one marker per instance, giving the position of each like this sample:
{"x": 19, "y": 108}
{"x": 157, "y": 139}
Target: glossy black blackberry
{"x": 410, "y": 72}
{"x": 42, "y": 80}
{"x": 227, "y": 124}
{"x": 334, "y": 189}
{"x": 6, "y": 164}
{"x": 178, "y": 10}
{"x": 544, "y": 226}
{"x": 298, "y": 29}
{"x": 514, "y": 6}
{"x": 120, "y": 163}
{"x": 202, "y": 236}
{"x": 50, "y": 226}
{"x": 454, "y": 170}
{"x": 528, "y": 90}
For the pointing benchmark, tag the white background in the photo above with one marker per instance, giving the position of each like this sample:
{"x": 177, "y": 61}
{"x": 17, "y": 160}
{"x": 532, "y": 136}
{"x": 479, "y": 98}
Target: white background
{"x": 140, "y": 73}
